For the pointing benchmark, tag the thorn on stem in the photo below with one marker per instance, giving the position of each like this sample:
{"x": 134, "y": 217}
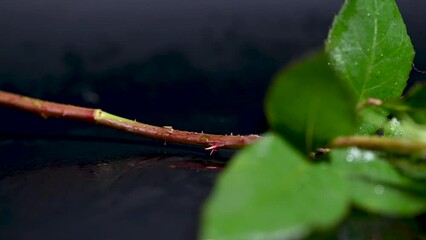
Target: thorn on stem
{"x": 214, "y": 148}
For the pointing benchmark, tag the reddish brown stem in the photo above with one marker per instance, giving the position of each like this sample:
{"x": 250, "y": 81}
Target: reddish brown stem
{"x": 50, "y": 109}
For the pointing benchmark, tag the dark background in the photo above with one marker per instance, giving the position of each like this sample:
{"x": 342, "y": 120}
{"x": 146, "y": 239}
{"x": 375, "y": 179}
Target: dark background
{"x": 194, "y": 65}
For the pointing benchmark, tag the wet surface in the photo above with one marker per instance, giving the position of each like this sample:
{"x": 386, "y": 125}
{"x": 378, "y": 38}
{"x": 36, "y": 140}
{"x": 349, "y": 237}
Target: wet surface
{"x": 111, "y": 188}
{"x": 62, "y": 189}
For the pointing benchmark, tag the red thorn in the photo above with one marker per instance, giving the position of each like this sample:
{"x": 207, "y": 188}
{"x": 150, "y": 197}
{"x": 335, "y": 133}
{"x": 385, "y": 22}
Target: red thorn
{"x": 213, "y": 148}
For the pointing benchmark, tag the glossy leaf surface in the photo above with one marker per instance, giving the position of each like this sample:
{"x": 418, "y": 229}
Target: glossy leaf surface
{"x": 368, "y": 45}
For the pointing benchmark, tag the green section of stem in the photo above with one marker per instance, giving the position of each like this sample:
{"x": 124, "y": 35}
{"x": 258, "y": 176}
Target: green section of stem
{"x": 101, "y": 115}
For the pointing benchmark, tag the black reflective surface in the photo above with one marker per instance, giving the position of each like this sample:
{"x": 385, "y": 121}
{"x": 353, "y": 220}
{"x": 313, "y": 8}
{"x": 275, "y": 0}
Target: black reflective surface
{"x": 75, "y": 188}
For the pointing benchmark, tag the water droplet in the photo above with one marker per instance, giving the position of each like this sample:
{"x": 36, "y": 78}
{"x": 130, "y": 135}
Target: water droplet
{"x": 368, "y": 156}
{"x": 328, "y": 64}
{"x": 381, "y": 54}
{"x": 368, "y": 14}
{"x": 395, "y": 122}
{"x": 358, "y": 155}
{"x": 395, "y": 127}
{"x": 353, "y": 154}
{"x": 379, "y": 189}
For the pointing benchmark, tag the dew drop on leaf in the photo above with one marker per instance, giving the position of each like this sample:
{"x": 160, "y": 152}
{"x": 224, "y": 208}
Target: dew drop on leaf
{"x": 369, "y": 156}
{"x": 394, "y": 123}
{"x": 379, "y": 189}
{"x": 357, "y": 155}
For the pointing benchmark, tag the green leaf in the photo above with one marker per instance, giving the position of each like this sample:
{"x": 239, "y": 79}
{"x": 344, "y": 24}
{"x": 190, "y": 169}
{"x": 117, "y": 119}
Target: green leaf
{"x": 416, "y": 97}
{"x": 405, "y": 128}
{"x": 309, "y": 105}
{"x": 370, "y": 119}
{"x": 411, "y": 168}
{"x": 376, "y": 185}
{"x": 412, "y": 104}
{"x": 394, "y": 129}
{"x": 369, "y": 47}
{"x": 269, "y": 191}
